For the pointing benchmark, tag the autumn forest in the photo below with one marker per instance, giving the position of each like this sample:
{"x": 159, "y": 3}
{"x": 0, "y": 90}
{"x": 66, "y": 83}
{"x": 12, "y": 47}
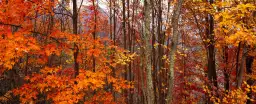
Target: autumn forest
{"x": 127, "y": 52}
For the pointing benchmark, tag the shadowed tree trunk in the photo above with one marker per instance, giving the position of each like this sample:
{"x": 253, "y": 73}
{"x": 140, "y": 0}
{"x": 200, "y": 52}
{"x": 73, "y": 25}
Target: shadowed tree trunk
{"x": 210, "y": 47}
{"x": 76, "y": 50}
{"x": 237, "y": 61}
{"x": 212, "y": 75}
{"x": 226, "y": 70}
{"x": 250, "y": 81}
{"x": 125, "y": 45}
{"x": 239, "y": 77}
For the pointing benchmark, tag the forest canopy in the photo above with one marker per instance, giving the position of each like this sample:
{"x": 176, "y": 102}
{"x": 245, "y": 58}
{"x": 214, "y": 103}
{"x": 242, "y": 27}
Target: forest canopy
{"x": 127, "y": 51}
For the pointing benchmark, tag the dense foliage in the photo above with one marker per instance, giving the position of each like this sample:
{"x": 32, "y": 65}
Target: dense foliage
{"x": 127, "y": 51}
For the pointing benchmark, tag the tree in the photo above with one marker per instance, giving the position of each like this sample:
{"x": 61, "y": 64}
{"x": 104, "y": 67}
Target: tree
{"x": 175, "y": 21}
{"x": 127, "y": 51}
{"x": 146, "y": 49}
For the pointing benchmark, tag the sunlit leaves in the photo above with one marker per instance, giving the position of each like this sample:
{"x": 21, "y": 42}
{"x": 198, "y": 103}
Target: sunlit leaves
{"x": 124, "y": 58}
{"x": 234, "y": 23}
{"x": 58, "y": 83}
{"x": 14, "y": 46}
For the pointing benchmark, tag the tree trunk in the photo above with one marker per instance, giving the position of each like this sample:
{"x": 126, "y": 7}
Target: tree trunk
{"x": 125, "y": 47}
{"x": 239, "y": 77}
{"x": 175, "y": 21}
{"x": 76, "y": 50}
{"x": 212, "y": 75}
{"x": 226, "y": 70}
{"x": 153, "y": 57}
{"x": 94, "y": 34}
{"x": 160, "y": 53}
{"x": 237, "y": 59}
{"x": 147, "y": 52}
{"x": 210, "y": 47}
{"x": 250, "y": 81}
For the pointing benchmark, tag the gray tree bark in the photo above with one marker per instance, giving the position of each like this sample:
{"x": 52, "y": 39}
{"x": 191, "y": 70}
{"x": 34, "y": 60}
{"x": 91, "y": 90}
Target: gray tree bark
{"x": 147, "y": 52}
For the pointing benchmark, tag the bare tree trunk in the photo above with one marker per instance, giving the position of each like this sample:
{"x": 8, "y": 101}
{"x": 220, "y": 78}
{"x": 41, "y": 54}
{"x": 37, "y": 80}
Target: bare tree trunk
{"x": 114, "y": 23}
{"x": 239, "y": 77}
{"x": 212, "y": 75}
{"x": 141, "y": 77}
{"x": 153, "y": 57}
{"x": 175, "y": 25}
{"x": 94, "y": 34}
{"x": 110, "y": 19}
{"x": 210, "y": 47}
{"x": 130, "y": 94}
{"x": 250, "y": 81}
{"x": 125, "y": 47}
{"x": 237, "y": 59}
{"x": 147, "y": 52}
{"x": 160, "y": 52}
{"x": 76, "y": 50}
{"x": 226, "y": 70}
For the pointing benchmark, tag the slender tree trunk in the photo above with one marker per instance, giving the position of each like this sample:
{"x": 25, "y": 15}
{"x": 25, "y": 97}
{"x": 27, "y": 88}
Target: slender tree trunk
{"x": 154, "y": 64}
{"x": 114, "y": 23}
{"x": 237, "y": 58}
{"x": 250, "y": 81}
{"x": 123, "y": 24}
{"x": 76, "y": 50}
{"x": 130, "y": 49}
{"x": 239, "y": 77}
{"x": 125, "y": 47}
{"x": 110, "y": 19}
{"x": 211, "y": 63}
{"x": 160, "y": 52}
{"x": 94, "y": 34}
{"x": 111, "y": 37}
{"x": 226, "y": 70}
{"x": 141, "y": 77}
{"x": 212, "y": 75}
{"x": 147, "y": 52}
{"x": 175, "y": 25}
